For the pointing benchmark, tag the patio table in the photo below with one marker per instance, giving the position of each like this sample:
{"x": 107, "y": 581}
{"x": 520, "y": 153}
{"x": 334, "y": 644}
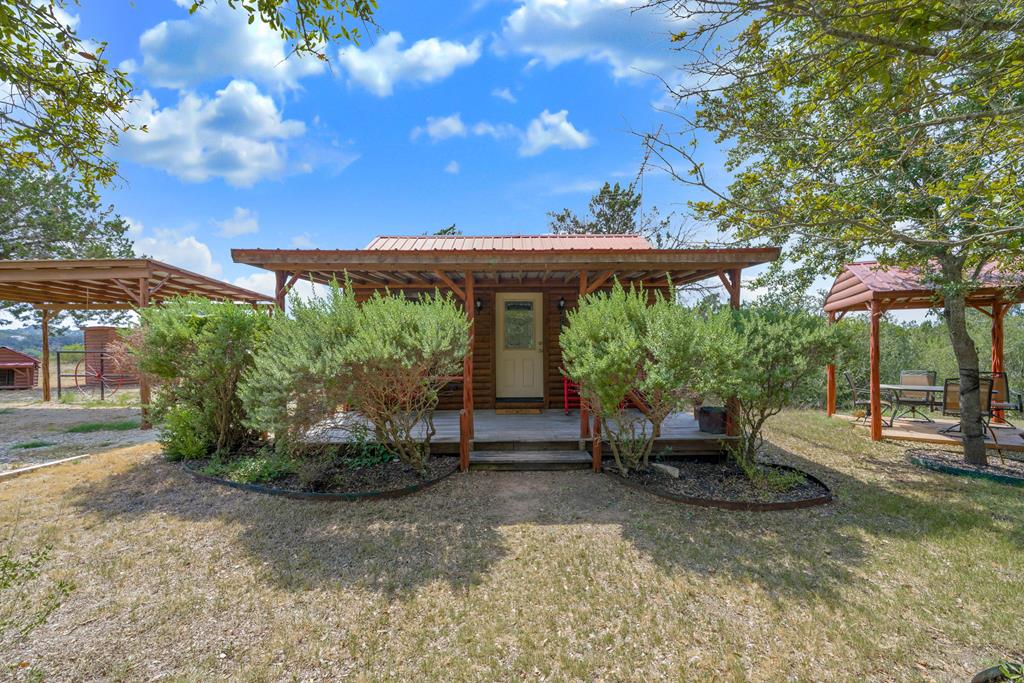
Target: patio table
{"x": 895, "y": 390}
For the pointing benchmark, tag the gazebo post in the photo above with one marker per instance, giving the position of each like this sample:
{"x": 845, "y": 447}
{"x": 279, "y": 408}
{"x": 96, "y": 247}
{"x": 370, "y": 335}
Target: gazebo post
{"x": 732, "y": 404}
{"x": 874, "y": 381}
{"x": 584, "y": 413}
{"x": 999, "y": 310}
{"x": 830, "y": 378}
{"x": 46, "y": 353}
{"x": 144, "y": 394}
{"x": 467, "y": 364}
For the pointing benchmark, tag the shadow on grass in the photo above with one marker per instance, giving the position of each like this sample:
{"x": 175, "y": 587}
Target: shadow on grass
{"x": 454, "y": 532}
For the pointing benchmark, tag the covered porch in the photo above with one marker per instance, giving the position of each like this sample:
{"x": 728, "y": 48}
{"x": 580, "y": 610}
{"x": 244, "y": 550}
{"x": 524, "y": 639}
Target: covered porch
{"x": 516, "y": 292}
{"x": 546, "y": 435}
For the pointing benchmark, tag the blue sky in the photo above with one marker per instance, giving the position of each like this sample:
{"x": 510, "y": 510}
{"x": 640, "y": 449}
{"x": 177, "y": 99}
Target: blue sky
{"x": 487, "y": 114}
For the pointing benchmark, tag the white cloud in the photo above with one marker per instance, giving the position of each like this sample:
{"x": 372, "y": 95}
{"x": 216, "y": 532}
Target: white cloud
{"x": 238, "y": 135}
{"x": 241, "y": 222}
{"x": 632, "y": 44}
{"x": 504, "y": 94}
{"x": 546, "y": 131}
{"x": 553, "y": 130}
{"x": 576, "y": 187}
{"x": 441, "y": 128}
{"x": 177, "y": 249}
{"x": 498, "y": 131}
{"x": 215, "y": 43}
{"x": 303, "y": 241}
{"x": 380, "y": 67}
{"x": 134, "y": 226}
{"x": 264, "y": 283}
{"x": 452, "y": 167}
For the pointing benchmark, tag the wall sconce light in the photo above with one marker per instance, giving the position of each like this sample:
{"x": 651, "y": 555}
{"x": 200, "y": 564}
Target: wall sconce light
{"x": 561, "y": 304}
{"x": 479, "y": 304}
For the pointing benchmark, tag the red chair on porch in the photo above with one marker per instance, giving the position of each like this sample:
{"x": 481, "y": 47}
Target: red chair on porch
{"x": 570, "y": 394}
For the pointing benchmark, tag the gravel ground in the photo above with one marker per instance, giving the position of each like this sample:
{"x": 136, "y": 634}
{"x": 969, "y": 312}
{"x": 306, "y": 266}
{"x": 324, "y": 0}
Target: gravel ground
{"x": 26, "y": 420}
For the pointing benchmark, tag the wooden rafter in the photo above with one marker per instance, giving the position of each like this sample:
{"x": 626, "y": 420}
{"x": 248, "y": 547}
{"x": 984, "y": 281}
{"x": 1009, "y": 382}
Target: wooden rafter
{"x": 599, "y": 281}
{"x": 443, "y": 277}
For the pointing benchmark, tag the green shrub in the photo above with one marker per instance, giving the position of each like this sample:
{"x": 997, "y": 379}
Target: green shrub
{"x": 773, "y": 357}
{"x": 386, "y": 359}
{"x": 197, "y": 350}
{"x": 298, "y": 377}
{"x": 184, "y": 436}
{"x": 262, "y": 468}
{"x": 623, "y": 342}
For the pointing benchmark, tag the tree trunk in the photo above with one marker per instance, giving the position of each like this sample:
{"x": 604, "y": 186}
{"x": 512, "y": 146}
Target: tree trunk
{"x": 967, "y": 361}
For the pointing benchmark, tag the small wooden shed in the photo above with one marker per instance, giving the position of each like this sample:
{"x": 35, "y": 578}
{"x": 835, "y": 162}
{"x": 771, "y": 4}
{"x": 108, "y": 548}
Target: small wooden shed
{"x": 17, "y": 370}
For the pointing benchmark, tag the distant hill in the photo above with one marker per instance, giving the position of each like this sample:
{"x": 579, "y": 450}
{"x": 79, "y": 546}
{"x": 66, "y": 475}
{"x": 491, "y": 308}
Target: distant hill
{"x": 30, "y": 341}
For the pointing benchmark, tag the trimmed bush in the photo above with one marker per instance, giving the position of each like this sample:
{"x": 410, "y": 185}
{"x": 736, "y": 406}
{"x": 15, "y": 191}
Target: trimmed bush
{"x": 197, "y": 351}
{"x": 386, "y": 359}
{"x": 626, "y": 343}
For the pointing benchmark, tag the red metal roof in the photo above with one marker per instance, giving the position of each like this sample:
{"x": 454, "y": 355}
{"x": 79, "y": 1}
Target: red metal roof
{"x": 510, "y": 243}
{"x": 909, "y": 287}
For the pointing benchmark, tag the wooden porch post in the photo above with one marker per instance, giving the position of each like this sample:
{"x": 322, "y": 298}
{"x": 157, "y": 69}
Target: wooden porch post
{"x": 873, "y": 381}
{"x": 732, "y": 405}
{"x": 596, "y": 456}
{"x": 999, "y": 310}
{"x": 280, "y": 293}
{"x": 144, "y": 394}
{"x": 467, "y": 364}
{"x": 830, "y": 379}
{"x": 46, "y": 354}
{"x": 584, "y": 413}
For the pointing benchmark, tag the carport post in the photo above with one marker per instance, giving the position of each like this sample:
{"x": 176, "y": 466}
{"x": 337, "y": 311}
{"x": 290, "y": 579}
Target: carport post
{"x": 46, "y": 354}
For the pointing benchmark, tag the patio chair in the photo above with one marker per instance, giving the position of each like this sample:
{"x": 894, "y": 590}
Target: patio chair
{"x": 1003, "y": 398}
{"x": 910, "y": 402}
{"x": 855, "y": 399}
{"x": 951, "y": 403}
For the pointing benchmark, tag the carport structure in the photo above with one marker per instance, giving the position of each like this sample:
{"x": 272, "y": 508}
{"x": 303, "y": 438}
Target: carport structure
{"x": 52, "y": 286}
{"x": 870, "y": 287}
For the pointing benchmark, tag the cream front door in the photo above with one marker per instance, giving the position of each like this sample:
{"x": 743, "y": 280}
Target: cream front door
{"x": 520, "y": 346}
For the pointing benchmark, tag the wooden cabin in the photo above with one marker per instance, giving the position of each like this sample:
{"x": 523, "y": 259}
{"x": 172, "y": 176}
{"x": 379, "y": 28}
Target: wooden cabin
{"x": 17, "y": 370}
{"x": 516, "y": 290}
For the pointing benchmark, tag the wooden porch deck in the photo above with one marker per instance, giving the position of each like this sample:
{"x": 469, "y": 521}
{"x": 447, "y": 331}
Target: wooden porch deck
{"x": 549, "y": 430}
{"x": 1009, "y": 440}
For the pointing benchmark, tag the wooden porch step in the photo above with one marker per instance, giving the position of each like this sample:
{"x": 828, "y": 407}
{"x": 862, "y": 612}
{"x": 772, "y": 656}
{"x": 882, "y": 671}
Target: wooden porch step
{"x": 529, "y": 460}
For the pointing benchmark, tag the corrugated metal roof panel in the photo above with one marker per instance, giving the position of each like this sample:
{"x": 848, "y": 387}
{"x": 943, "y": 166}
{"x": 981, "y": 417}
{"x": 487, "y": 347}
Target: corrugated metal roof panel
{"x": 509, "y": 243}
{"x": 885, "y": 279}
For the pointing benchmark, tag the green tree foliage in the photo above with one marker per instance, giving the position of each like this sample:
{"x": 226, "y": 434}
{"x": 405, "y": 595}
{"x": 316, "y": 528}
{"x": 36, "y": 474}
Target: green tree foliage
{"x": 386, "y": 358}
{"x": 198, "y": 350}
{"x": 891, "y": 128}
{"x": 62, "y": 104}
{"x": 623, "y": 343}
{"x": 46, "y": 216}
{"x": 617, "y": 210}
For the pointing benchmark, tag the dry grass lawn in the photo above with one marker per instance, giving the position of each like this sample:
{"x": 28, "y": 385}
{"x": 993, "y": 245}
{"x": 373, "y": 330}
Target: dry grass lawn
{"x": 910, "y": 575}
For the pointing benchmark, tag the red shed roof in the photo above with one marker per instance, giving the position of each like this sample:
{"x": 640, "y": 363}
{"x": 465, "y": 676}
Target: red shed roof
{"x": 509, "y": 242}
{"x": 866, "y": 281}
{"x": 20, "y": 360}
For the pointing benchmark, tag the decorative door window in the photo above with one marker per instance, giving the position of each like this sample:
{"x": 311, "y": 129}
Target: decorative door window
{"x": 519, "y": 325}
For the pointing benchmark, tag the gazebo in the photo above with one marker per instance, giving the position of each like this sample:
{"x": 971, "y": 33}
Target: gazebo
{"x": 868, "y": 286}
{"x": 107, "y": 285}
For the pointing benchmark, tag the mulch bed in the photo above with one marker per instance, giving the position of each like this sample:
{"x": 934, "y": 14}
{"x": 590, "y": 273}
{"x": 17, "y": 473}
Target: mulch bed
{"x": 1007, "y": 470}
{"x": 724, "y": 485}
{"x": 385, "y": 480}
